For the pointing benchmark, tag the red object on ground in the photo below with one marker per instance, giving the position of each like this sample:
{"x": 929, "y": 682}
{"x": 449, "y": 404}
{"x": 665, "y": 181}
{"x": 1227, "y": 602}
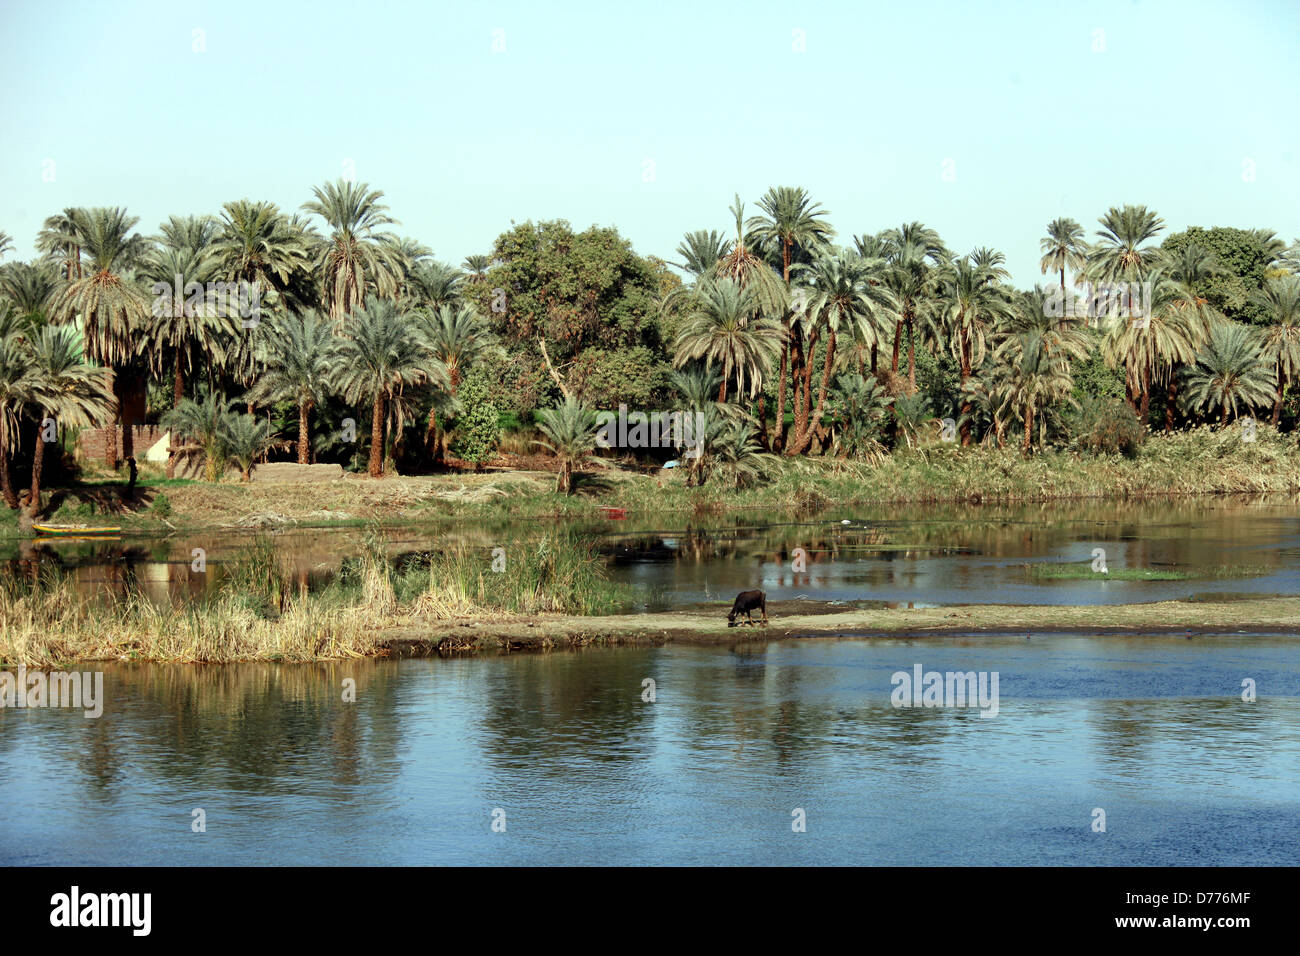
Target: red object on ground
{"x": 616, "y": 513}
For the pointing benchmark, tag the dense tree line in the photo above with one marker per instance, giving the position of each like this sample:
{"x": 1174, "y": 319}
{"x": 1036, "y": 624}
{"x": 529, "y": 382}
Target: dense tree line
{"x": 324, "y": 332}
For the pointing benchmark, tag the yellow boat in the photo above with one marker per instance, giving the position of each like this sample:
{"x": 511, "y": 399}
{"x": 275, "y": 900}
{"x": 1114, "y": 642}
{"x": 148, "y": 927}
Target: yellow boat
{"x": 76, "y": 531}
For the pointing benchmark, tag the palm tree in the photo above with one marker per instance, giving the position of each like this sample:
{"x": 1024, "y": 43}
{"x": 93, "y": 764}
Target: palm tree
{"x": 1175, "y": 289}
{"x": 974, "y": 306}
{"x": 187, "y": 325}
{"x": 1152, "y": 350}
{"x": 17, "y": 383}
{"x": 570, "y": 434}
{"x": 911, "y": 414}
{"x": 1230, "y": 373}
{"x": 1036, "y": 377}
{"x": 701, "y": 251}
{"x": 112, "y": 312}
{"x": 377, "y": 357}
{"x": 60, "y": 241}
{"x": 6, "y": 243}
{"x": 298, "y": 369}
{"x": 247, "y": 438}
{"x": 203, "y": 421}
{"x": 725, "y": 329}
{"x": 257, "y": 244}
{"x": 697, "y": 384}
{"x": 357, "y": 258}
{"x": 435, "y": 284}
{"x": 1124, "y": 251}
{"x": 195, "y": 233}
{"x": 791, "y": 222}
{"x": 459, "y": 339}
{"x": 842, "y": 296}
{"x": 865, "y": 406}
{"x": 736, "y": 459}
{"x": 29, "y": 286}
{"x": 1281, "y": 340}
{"x": 911, "y": 251}
{"x": 1063, "y": 248}
{"x": 64, "y": 388}
{"x": 477, "y": 266}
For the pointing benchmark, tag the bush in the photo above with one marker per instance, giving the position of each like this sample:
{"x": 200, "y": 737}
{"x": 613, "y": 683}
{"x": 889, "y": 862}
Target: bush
{"x": 1105, "y": 426}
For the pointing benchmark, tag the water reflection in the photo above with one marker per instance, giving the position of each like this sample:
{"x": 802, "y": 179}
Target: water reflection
{"x": 1151, "y": 729}
{"x": 933, "y": 555}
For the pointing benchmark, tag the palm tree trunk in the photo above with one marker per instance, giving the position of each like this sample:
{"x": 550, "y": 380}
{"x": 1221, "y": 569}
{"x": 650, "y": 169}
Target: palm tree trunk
{"x": 778, "y": 436}
{"x": 38, "y": 461}
{"x": 965, "y": 374}
{"x": 1029, "y": 429}
{"x": 6, "y": 483}
{"x": 377, "y": 439}
{"x": 911, "y": 355}
{"x": 811, "y": 422}
{"x": 1277, "y": 405}
{"x": 874, "y": 354}
{"x": 1062, "y": 325}
{"x": 304, "y": 433}
{"x": 178, "y": 396}
{"x": 722, "y": 389}
{"x": 1146, "y": 394}
{"x": 898, "y": 338}
{"x": 1171, "y": 399}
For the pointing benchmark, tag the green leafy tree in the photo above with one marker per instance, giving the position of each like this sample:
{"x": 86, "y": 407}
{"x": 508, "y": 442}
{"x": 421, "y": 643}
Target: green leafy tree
{"x": 1243, "y": 258}
{"x": 478, "y": 428}
{"x": 563, "y": 292}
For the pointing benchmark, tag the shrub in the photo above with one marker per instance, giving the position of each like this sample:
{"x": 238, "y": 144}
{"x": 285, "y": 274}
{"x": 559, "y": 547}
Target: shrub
{"x": 1105, "y": 426}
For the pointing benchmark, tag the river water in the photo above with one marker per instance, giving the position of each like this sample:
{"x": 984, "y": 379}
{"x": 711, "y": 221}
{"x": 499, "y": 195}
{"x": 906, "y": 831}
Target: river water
{"x": 564, "y": 750}
{"x": 914, "y": 554}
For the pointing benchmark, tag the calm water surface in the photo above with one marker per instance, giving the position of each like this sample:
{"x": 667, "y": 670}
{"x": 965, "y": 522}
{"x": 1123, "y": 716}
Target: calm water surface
{"x": 923, "y": 555}
{"x": 1152, "y": 730}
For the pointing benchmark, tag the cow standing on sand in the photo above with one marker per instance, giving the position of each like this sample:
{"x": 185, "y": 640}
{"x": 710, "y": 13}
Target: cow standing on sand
{"x": 746, "y": 602}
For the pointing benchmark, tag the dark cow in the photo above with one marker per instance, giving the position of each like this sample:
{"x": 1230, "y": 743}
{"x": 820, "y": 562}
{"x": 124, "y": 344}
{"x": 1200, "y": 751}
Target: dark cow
{"x": 747, "y": 602}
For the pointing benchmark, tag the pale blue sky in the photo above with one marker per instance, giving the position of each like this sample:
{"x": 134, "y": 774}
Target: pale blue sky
{"x": 462, "y": 139}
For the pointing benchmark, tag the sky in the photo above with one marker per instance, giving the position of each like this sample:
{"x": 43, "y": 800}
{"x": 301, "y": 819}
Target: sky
{"x": 982, "y": 120}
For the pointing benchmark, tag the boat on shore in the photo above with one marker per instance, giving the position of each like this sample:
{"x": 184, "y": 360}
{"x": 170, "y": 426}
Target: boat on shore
{"x": 77, "y": 531}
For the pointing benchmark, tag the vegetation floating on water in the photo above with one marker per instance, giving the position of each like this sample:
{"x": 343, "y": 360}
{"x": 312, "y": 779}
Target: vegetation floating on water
{"x": 1082, "y": 571}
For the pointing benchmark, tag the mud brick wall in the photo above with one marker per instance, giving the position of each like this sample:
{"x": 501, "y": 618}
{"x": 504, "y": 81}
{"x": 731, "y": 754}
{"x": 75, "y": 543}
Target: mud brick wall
{"x": 91, "y": 443}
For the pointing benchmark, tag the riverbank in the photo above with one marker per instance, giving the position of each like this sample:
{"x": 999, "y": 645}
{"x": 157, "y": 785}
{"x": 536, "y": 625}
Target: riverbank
{"x": 1199, "y": 462}
{"x": 311, "y": 631}
{"x": 815, "y": 620}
